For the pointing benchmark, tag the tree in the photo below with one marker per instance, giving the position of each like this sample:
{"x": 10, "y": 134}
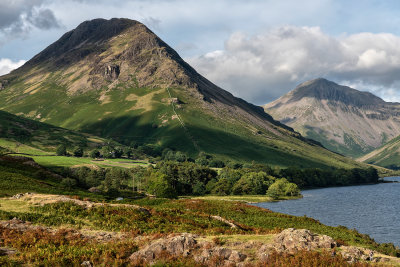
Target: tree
{"x": 252, "y": 183}
{"x": 282, "y": 187}
{"x": 94, "y": 154}
{"x": 61, "y": 150}
{"x": 160, "y": 186}
{"x": 216, "y": 163}
{"x": 68, "y": 183}
{"x": 78, "y": 152}
{"x": 291, "y": 189}
{"x": 199, "y": 189}
{"x": 108, "y": 152}
{"x": 222, "y": 187}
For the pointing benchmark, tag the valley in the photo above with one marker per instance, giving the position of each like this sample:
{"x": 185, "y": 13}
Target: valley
{"x": 116, "y": 152}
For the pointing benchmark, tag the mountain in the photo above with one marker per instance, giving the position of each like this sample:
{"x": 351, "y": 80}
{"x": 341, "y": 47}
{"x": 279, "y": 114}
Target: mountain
{"x": 27, "y": 136}
{"x": 387, "y": 155}
{"x": 343, "y": 119}
{"x": 116, "y": 79}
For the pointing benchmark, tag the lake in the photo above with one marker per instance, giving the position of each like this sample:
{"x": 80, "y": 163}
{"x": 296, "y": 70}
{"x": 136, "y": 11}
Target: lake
{"x": 371, "y": 209}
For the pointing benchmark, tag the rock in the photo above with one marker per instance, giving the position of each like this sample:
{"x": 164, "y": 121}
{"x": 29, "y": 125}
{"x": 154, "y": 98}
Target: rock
{"x": 111, "y": 72}
{"x": 86, "y": 264}
{"x": 4, "y": 251}
{"x": 236, "y": 256}
{"x": 175, "y": 246}
{"x": 292, "y": 240}
{"x": 94, "y": 190}
{"x": 21, "y": 195}
{"x": 18, "y": 196}
{"x": 354, "y": 254}
{"x": 225, "y": 256}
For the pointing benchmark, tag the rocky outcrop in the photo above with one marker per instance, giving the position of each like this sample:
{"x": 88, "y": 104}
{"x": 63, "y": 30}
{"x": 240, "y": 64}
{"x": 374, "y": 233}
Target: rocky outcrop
{"x": 289, "y": 241}
{"x": 224, "y": 256}
{"x": 186, "y": 245}
{"x": 111, "y": 72}
{"x": 293, "y": 240}
{"x": 176, "y": 246}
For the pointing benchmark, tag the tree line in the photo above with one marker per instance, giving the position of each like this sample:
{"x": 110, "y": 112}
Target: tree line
{"x": 170, "y": 179}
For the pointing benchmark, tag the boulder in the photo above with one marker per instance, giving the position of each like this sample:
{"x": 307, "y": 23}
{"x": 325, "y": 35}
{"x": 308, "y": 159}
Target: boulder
{"x": 292, "y": 240}
{"x": 175, "y": 246}
{"x": 224, "y": 257}
{"x": 354, "y": 254}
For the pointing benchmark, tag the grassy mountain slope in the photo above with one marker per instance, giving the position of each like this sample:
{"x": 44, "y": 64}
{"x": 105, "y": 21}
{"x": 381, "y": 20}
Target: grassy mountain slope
{"x": 116, "y": 79}
{"x": 21, "y": 175}
{"x": 388, "y": 155}
{"x": 22, "y": 135}
{"x": 343, "y": 119}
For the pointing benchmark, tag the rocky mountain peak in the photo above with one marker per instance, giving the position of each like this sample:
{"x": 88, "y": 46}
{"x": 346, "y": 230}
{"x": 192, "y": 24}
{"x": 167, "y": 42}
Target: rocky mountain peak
{"x": 89, "y": 37}
{"x": 323, "y": 89}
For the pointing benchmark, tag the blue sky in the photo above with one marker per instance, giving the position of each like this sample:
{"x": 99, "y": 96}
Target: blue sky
{"x": 258, "y": 50}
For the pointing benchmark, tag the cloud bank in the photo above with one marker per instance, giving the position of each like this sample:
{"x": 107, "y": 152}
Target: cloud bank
{"x": 7, "y": 65}
{"x": 260, "y": 68}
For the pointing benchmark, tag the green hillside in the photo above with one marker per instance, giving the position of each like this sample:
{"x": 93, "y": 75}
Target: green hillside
{"x": 116, "y": 79}
{"x": 21, "y": 135}
{"x": 388, "y": 155}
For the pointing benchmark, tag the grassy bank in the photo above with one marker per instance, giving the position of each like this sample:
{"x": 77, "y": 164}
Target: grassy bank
{"x": 244, "y": 198}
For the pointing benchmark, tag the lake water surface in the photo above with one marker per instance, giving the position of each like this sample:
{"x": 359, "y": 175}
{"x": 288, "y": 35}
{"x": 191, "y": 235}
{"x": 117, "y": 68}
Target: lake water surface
{"x": 371, "y": 209}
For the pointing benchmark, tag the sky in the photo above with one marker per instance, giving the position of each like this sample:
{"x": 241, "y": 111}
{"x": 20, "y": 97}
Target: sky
{"x": 257, "y": 49}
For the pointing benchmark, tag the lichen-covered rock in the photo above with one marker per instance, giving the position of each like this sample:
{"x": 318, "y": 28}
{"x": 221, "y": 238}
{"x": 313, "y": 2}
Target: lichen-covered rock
{"x": 175, "y": 246}
{"x": 355, "y": 254}
{"x": 224, "y": 256}
{"x": 292, "y": 240}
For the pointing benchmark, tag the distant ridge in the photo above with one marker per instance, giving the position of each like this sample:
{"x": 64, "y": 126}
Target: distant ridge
{"x": 343, "y": 119}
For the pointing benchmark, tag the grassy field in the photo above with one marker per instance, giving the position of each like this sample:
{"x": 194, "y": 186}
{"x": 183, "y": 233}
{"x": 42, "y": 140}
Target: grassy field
{"x": 62, "y": 161}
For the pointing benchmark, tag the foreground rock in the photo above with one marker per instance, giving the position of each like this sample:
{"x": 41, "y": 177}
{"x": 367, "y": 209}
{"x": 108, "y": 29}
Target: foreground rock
{"x": 293, "y": 240}
{"x": 176, "y": 246}
{"x": 289, "y": 241}
{"x": 186, "y": 245}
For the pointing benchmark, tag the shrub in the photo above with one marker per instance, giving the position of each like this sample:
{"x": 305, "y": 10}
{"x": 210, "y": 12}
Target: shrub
{"x": 68, "y": 183}
{"x": 95, "y": 154}
{"x": 61, "y": 150}
{"x": 78, "y": 152}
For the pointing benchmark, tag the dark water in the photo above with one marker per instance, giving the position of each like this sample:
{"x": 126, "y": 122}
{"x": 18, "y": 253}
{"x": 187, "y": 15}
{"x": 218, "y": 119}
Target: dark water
{"x": 371, "y": 209}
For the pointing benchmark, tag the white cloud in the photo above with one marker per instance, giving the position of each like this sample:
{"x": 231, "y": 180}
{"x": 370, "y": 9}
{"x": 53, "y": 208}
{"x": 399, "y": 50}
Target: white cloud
{"x": 262, "y": 67}
{"x": 7, "y": 65}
